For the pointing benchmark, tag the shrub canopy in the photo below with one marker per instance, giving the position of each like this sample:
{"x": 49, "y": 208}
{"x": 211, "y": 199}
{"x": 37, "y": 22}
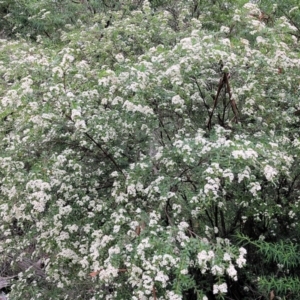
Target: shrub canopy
{"x": 149, "y": 149}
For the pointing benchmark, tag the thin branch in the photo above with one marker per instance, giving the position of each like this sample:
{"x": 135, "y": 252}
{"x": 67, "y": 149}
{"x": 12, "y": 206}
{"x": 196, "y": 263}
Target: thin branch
{"x": 167, "y": 212}
{"x": 162, "y": 124}
{"x": 109, "y": 156}
{"x": 221, "y": 84}
{"x": 223, "y": 223}
{"x": 201, "y": 94}
{"x": 154, "y": 293}
{"x": 290, "y": 19}
{"x": 216, "y": 217}
{"x": 232, "y": 101}
{"x": 209, "y": 217}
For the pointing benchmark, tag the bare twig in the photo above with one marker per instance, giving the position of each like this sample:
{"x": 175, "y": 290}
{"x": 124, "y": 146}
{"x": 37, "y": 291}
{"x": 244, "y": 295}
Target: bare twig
{"x": 109, "y": 156}
{"x": 154, "y": 292}
{"x": 232, "y": 101}
{"x": 221, "y": 84}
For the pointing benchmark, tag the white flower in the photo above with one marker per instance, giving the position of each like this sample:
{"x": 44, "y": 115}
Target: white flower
{"x": 210, "y": 254}
{"x": 225, "y": 29}
{"x": 252, "y": 8}
{"x": 186, "y": 43}
{"x": 229, "y": 174}
{"x": 260, "y": 40}
{"x": 162, "y": 278}
{"x": 270, "y": 172}
{"x": 58, "y": 71}
{"x": 254, "y": 187}
{"x": 222, "y": 288}
{"x": 244, "y": 174}
{"x": 183, "y": 225}
{"x": 244, "y": 42}
{"x": 231, "y": 271}
{"x": 240, "y": 261}
{"x": 243, "y": 251}
{"x": 131, "y": 190}
{"x": 75, "y": 113}
{"x": 202, "y": 257}
{"x": 67, "y": 58}
{"x": 177, "y": 100}
{"x": 116, "y": 228}
{"x": 226, "y": 257}
{"x": 212, "y": 185}
{"x": 119, "y": 57}
{"x": 236, "y": 18}
{"x": 172, "y": 296}
{"x": 70, "y": 95}
{"x": 217, "y": 270}
{"x": 80, "y": 124}
{"x": 108, "y": 274}
{"x": 245, "y": 154}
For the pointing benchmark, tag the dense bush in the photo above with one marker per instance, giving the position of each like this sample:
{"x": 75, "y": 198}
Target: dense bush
{"x": 150, "y": 153}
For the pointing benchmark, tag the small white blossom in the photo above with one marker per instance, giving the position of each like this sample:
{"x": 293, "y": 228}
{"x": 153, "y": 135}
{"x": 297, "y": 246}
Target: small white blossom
{"x": 270, "y": 172}
{"x": 260, "y": 40}
{"x": 225, "y": 29}
{"x": 176, "y": 100}
{"x": 119, "y": 57}
{"x": 226, "y": 257}
{"x": 245, "y": 154}
{"x": 222, "y": 288}
{"x": 217, "y": 270}
{"x": 254, "y": 187}
{"x": 231, "y": 271}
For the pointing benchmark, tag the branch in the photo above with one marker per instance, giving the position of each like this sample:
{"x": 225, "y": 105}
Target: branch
{"x": 201, "y": 94}
{"x": 221, "y": 84}
{"x": 27, "y": 263}
{"x": 232, "y": 101}
{"x": 209, "y": 218}
{"x": 110, "y": 157}
{"x": 5, "y": 281}
{"x": 290, "y": 19}
{"x": 154, "y": 292}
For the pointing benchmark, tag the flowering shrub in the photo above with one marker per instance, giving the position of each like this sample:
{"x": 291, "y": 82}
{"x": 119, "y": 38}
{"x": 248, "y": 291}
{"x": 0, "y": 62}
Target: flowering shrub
{"x": 134, "y": 155}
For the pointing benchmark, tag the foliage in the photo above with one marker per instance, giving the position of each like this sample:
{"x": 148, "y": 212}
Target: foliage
{"x": 282, "y": 262}
{"x": 288, "y": 9}
{"x": 139, "y": 142}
